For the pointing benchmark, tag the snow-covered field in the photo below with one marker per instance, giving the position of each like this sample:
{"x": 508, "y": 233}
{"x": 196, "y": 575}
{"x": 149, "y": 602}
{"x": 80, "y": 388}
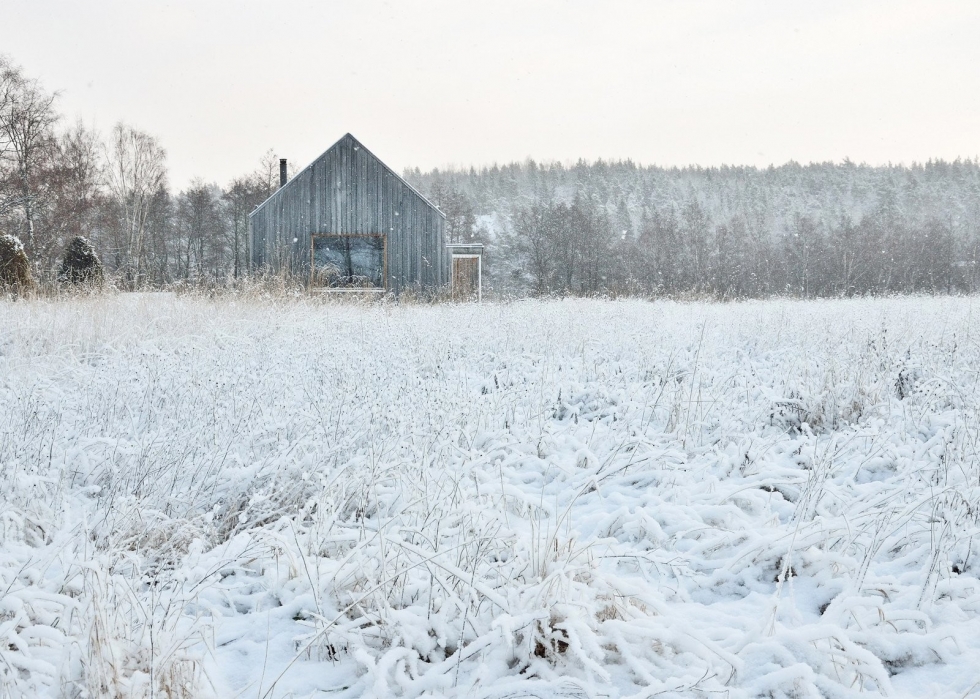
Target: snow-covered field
{"x": 288, "y": 498}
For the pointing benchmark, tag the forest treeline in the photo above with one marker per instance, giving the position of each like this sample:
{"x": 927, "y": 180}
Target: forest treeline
{"x": 61, "y": 180}
{"x": 825, "y": 229}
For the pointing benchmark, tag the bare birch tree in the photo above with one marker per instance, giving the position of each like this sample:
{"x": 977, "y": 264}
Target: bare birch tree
{"x": 241, "y": 197}
{"x": 27, "y": 119}
{"x": 136, "y": 170}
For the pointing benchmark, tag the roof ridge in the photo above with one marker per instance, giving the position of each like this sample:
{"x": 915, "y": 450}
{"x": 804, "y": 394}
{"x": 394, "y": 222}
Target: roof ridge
{"x": 369, "y": 152}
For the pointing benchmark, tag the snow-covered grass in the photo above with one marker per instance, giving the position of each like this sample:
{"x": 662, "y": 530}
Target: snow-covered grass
{"x": 262, "y": 498}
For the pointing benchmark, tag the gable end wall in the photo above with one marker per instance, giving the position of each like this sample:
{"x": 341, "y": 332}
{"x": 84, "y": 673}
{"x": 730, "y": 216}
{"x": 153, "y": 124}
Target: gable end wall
{"x": 348, "y": 190}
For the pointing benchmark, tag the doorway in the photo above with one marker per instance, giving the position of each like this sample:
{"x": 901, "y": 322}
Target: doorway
{"x": 467, "y": 272}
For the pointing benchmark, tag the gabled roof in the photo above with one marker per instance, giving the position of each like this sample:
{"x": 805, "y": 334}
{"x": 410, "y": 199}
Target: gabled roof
{"x": 357, "y": 144}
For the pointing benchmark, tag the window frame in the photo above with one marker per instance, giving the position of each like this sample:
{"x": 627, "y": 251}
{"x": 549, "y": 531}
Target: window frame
{"x": 384, "y": 261}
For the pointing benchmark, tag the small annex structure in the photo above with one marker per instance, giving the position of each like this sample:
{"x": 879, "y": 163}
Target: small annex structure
{"x": 348, "y": 222}
{"x": 467, "y": 271}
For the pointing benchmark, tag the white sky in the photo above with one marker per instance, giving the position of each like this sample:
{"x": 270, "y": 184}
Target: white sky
{"x": 436, "y": 83}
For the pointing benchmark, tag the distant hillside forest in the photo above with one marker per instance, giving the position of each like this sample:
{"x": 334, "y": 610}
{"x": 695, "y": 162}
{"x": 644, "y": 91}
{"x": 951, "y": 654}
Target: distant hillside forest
{"x": 822, "y": 229}
{"x": 592, "y": 228}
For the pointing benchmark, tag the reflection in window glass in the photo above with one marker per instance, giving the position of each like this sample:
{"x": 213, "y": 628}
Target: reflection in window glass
{"x": 349, "y": 261}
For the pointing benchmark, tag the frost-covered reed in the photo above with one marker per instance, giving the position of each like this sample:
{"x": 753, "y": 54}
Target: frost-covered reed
{"x": 261, "y": 497}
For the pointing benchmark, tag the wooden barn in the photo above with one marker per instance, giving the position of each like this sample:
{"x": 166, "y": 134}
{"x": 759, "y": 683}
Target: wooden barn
{"x": 347, "y": 221}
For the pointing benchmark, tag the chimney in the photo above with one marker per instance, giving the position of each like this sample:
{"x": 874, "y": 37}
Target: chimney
{"x": 282, "y": 172}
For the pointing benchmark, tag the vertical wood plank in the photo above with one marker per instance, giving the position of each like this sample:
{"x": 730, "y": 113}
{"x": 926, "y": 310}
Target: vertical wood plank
{"x": 348, "y": 190}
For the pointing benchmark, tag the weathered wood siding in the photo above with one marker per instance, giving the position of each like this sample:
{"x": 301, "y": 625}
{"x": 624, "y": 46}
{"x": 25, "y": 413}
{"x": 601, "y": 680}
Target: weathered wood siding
{"x": 348, "y": 190}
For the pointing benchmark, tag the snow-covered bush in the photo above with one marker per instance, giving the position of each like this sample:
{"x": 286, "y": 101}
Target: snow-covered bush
{"x": 15, "y": 269}
{"x": 80, "y": 264}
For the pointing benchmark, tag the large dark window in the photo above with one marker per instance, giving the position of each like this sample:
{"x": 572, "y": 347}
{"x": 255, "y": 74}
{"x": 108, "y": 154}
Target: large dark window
{"x": 349, "y": 261}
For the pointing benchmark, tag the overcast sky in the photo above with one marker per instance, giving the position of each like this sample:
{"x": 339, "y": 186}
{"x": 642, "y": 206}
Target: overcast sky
{"x": 430, "y": 83}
